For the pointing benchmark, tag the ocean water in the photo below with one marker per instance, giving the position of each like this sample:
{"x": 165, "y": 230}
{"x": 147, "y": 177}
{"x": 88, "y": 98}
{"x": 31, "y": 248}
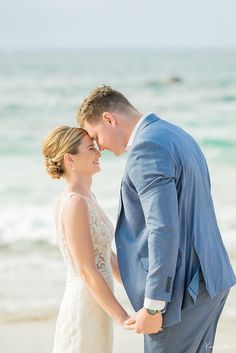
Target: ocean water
{"x": 39, "y": 90}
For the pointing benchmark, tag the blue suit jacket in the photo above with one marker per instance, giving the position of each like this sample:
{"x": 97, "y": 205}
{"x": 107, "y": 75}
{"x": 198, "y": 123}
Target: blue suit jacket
{"x": 167, "y": 233}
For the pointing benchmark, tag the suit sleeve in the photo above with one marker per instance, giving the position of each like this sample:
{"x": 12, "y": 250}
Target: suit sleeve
{"x": 152, "y": 172}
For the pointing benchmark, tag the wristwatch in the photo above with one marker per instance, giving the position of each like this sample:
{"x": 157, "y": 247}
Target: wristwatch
{"x": 153, "y": 312}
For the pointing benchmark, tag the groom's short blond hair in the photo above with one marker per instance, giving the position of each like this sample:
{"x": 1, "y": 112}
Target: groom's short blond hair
{"x": 100, "y": 100}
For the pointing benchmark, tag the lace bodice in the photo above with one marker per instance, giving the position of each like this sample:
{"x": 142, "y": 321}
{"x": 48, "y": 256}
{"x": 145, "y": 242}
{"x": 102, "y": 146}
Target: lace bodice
{"x": 102, "y": 233}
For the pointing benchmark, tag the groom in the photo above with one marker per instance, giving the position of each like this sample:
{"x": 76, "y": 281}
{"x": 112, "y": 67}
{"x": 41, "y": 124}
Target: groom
{"x": 173, "y": 263}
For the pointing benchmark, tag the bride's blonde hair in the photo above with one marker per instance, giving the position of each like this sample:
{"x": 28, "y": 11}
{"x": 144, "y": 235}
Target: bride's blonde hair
{"x": 59, "y": 141}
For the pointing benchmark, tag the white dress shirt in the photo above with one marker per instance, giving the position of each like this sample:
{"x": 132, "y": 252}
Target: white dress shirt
{"x": 152, "y": 304}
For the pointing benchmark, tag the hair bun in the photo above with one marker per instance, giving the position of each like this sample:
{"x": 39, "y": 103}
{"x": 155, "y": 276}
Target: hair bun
{"x": 54, "y": 169}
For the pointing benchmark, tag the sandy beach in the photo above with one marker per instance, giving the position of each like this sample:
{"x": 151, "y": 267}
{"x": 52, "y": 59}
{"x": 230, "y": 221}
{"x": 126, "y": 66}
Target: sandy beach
{"x": 36, "y": 336}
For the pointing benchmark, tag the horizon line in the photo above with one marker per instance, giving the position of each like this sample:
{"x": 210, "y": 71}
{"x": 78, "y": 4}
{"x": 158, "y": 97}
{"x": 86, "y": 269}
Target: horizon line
{"x": 46, "y": 48}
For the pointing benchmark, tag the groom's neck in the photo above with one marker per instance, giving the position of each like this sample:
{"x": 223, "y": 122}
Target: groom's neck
{"x": 132, "y": 121}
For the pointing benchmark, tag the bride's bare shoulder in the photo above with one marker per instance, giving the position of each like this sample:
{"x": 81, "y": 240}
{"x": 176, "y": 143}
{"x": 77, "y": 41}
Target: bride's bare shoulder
{"x": 75, "y": 206}
{"x": 67, "y": 205}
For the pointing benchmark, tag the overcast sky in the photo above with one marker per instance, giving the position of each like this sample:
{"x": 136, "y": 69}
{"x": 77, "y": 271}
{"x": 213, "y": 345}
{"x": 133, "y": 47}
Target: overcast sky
{"x": 117, "y": 23}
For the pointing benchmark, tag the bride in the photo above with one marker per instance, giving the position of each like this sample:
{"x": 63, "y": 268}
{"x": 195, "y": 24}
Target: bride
{"x": 84, "y": 323}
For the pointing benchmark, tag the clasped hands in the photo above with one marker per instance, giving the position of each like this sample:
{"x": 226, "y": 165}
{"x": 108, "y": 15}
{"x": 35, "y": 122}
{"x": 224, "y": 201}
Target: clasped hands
{"x": 144, "y": 322}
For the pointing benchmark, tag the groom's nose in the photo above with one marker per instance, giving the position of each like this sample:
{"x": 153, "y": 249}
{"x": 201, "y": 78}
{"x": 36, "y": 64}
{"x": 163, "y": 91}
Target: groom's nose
{"x": 100, "y": 147}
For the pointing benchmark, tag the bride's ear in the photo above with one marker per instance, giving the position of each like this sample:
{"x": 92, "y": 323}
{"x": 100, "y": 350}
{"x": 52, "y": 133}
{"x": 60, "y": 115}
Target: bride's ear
{"x": 109, "y": 119}
{"x": 67, "y": 158}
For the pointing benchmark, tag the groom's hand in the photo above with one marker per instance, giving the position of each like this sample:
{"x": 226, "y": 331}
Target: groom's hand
{"x": 146, "y": 323}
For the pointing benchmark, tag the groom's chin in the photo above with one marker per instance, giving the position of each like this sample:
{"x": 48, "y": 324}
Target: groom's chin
{"x": 118, "y": 153}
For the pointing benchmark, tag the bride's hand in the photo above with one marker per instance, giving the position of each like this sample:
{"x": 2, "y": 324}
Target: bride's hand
{"x": 126, "y": 321}
{"x": 129, "y": 323}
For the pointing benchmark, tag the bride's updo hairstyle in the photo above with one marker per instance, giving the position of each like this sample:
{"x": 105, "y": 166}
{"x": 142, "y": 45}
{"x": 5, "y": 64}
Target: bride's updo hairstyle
{"x": 59, "y": 141}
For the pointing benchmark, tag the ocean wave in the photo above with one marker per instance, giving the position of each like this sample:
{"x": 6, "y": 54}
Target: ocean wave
{"x": 222, "y": 143}
{"x": 27, "y": 223}
{"x": 26, "y": 246}
{"x": 229, "y": 98}
{"x": 159, "y": 83}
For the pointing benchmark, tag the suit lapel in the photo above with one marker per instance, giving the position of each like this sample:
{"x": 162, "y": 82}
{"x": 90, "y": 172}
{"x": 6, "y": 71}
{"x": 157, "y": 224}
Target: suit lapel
{"x": 148, "y": 120}
{"x": 120, "y": 202}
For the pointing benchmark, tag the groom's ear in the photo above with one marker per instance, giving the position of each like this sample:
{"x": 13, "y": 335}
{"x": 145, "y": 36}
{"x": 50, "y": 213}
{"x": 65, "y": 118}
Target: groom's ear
{"x": 109, "y": 119}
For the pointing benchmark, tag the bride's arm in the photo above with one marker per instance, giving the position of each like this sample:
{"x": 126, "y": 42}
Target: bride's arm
{"x": 115, "y": 267}
{"x": 77, "y": 230}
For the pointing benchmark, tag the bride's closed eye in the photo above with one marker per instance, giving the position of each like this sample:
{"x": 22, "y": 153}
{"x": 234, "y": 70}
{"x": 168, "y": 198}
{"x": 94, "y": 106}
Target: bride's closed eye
{"x": 92, "y": 147}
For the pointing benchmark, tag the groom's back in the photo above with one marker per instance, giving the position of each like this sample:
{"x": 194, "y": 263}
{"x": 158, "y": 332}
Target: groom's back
{"x": 199, "y": 232}
{"x": 191, "y": 171}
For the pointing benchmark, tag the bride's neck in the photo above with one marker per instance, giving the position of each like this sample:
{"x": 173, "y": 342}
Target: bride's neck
{"x": 81, "y": 185}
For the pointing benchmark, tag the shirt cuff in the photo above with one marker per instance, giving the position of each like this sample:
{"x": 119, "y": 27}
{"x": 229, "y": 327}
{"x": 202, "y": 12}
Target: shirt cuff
{"x": 154, "y": 304}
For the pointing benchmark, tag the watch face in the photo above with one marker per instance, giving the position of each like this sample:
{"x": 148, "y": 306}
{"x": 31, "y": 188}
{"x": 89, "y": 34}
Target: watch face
{"x": 152, "y": 312}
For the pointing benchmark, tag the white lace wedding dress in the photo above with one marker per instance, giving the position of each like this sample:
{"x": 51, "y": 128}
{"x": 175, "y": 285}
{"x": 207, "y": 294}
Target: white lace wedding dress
{"x": 82, "y": 325}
